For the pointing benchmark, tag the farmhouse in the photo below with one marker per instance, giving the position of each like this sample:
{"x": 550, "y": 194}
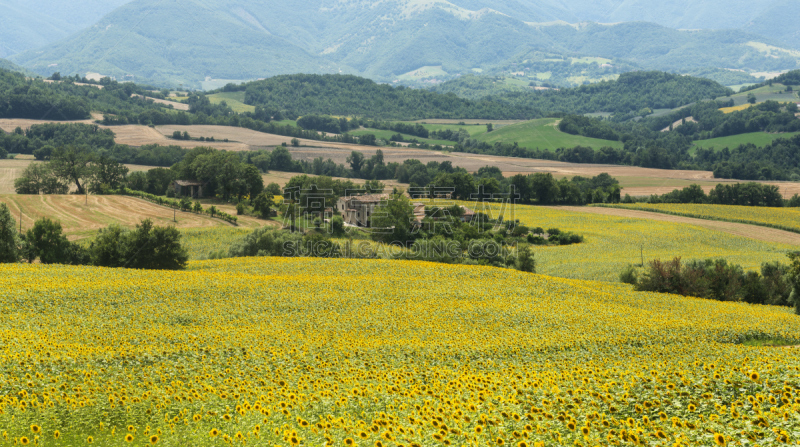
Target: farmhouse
{"x": 356, "y": 210}
{"x": 190, "y": 188}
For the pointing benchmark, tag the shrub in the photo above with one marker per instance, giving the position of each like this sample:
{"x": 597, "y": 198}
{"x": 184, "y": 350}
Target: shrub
{"x": 46, "y": 241}
{"x": 630, "y": 275}
{"x": 266, "y": 241}
{"x": 337, "y": 226}
{"x": 146, "y": 247}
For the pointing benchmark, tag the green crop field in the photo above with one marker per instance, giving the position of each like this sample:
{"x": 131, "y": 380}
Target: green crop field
{"x": 235, "y": 101}
{"x": 758, "y": 138}
{"x": 542, "y": 134}
{"x": 776, "y": 92}
{"x": 472, "y": 129}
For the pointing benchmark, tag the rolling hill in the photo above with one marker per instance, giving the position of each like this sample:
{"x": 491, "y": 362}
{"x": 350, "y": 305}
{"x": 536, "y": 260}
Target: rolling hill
{"x": 194, "y": 41}
{"x": 26, "y": 25}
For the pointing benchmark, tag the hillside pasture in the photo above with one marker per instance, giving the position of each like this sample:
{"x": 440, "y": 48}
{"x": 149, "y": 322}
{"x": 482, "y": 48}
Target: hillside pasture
{"x": 235, "y": 101}
{"x": 542, "y": 134}
{"x": 759, "y": 139}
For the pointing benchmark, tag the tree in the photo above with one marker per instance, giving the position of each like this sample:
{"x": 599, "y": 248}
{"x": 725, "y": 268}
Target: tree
{"x": 751, "y": 98}
{"x": 73, "y": 164}
{"x": 337, "y": 226}
{"x": 489, "y": 127}
{"x": 156, "y": 248}
{"x": 253, "y": 181}
{"x": 525, "y": 259}
{"x": 295, "y": 142}
{"x": 107, "y": 174}
{"x": 9, "y": 239}
{"x": 46, "y": 241}
{"x": 146, "y": 247}
{"x": 38, "y": 178}
{"x": 356, "y": 160}
{"x": 794, "y": 278}
{"x": 274, "y": 189}
{"x": 281, "y": 159}
{"x": 391, "y": 221}
{"x": 263, "y": 204}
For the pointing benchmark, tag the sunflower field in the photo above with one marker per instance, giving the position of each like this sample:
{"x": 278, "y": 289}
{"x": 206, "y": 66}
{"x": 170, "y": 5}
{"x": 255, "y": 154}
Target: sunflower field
{"x": 781, "y": 218}
{"x": 337, "y": 352}
{"x": 612, "y": 242}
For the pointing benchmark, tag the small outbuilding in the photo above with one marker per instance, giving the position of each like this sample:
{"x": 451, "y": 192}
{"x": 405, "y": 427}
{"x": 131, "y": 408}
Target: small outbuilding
{"x": 188, "y": 188}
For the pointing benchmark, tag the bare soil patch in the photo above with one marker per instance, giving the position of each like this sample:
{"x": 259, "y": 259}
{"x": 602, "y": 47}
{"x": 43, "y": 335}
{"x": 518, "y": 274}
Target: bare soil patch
{"x": 738, "y": 229}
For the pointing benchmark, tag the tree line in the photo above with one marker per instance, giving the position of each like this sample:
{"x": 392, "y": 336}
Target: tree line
{"x": 145, "y": 247}
{"x": 741, "y": 194}
{"x": 776, "y": 284}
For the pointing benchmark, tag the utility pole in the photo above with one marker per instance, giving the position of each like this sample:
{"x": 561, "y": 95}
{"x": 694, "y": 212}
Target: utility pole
{"x": 174, "y": 215}
{"x": 20, "y": 220}
{"x": 642, "y": 248}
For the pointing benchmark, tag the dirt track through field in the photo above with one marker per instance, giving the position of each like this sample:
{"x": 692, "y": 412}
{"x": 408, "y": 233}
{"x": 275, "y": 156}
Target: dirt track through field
{"x": 738, "y": 229}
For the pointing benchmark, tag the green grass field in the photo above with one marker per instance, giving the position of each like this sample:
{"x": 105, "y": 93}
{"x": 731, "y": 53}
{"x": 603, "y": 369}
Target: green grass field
{"x": 292, "y": 123}
{"x": 235, "y": 101}
{"x": 387, "y": 134}
{"x": 776, "y": 92}
{"x": 758, "y": 138}
{"x": 542, "y": 134}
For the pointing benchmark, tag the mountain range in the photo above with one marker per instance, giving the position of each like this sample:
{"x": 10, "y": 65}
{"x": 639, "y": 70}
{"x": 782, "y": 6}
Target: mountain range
{"x": 211, "y": 42}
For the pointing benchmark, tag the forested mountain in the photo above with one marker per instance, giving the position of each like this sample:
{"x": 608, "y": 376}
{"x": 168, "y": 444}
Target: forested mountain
{"x": 30, "y": 24}
{"x": 630, "y": 93}
{"x": 354, "y": 96}
{"x": 191, "y": 41}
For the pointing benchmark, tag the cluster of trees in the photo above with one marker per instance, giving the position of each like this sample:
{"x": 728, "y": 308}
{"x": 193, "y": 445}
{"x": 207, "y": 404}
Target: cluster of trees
{"x": 743, "y": 194}
{"x": 778, "y": 160}
{"x": 777, "y": 284}
{"x": 145, "y": 247}
{"x": 72, "y": 166}
{"x": 35, "y": 99}
{"x": 326, "y": 123}
{"x": 417, "y": 130}
{"x": 225, "y": 174}
{"x": 40, "y": 139}
{"x": 345, "y": 95}
{"x": 544, "y": 189}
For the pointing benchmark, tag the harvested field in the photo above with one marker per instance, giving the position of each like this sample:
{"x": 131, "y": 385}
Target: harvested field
{"x": 635, "y": 181}
{"x": 81, "y": 220}
{"x": 11, "y": 170}
{"x": 175, "y": 105}
{"x": 749, "y": 231}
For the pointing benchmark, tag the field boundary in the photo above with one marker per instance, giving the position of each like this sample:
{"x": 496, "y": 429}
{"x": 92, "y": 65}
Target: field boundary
{"x": 698, "y": 216}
